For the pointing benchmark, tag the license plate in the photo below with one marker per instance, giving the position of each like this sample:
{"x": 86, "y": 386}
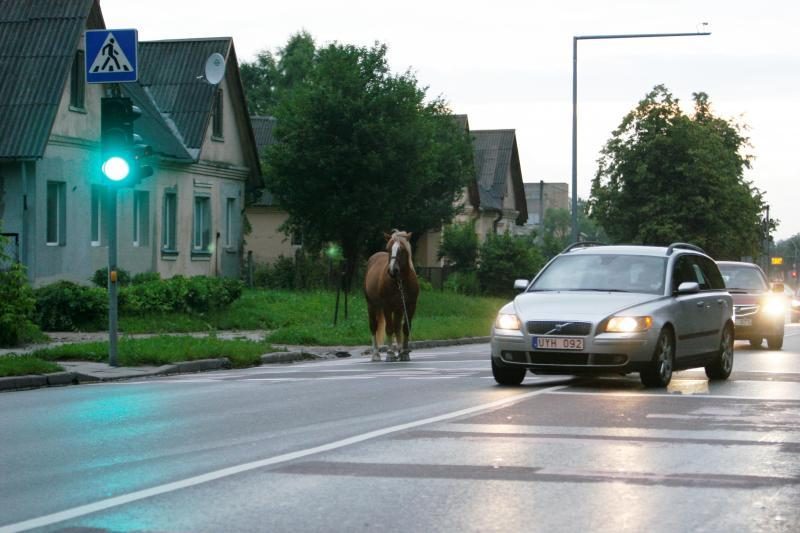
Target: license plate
{"x": 744, "y": 322}
{"x": 557, "y": 343}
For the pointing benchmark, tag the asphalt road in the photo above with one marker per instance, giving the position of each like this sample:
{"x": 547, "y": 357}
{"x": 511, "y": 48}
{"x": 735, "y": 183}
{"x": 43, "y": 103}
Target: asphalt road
{"x": 429, "y": 445}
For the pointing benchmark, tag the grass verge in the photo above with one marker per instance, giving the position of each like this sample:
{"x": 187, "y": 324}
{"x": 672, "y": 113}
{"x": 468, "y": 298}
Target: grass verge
{"x": 22, "y": 365}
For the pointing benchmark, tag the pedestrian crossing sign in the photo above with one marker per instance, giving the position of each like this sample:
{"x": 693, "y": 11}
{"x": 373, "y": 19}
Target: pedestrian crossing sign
{"x": 111, "y": 56}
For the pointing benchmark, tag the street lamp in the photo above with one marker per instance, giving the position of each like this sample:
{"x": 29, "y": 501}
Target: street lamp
{"x": 575, "y": 40}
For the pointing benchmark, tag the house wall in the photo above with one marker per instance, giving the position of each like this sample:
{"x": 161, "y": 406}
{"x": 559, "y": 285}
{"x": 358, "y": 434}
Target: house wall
{"x": 265, "y": 240}
{"x": 228, "y": 148}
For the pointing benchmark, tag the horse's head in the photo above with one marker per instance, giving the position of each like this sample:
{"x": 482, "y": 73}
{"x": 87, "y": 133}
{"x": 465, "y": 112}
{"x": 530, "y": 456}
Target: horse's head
{"x": 398, "y": 246}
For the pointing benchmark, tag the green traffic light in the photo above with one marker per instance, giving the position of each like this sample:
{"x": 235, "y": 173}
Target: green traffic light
{"x": 116, "y": 168}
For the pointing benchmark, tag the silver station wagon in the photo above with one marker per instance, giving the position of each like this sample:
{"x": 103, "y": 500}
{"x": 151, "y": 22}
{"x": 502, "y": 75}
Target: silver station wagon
{"x": 596, "y": 309}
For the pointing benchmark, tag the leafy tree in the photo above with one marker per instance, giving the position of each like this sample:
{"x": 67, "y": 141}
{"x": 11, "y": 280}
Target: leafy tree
{"x": 459, "y": 246}
{"x": 557, "y": 229}
{"x": 361, "y": 152}
{"x": 504, "y": 258}
{"x": 664, "y": 177}
{"x": 270, "y": 76}
{"x": 17, "y": 303}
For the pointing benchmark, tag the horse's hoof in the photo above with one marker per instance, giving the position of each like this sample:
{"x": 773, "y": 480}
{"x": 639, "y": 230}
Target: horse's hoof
{"x": 405, "y": 356}
{"x": 376, "y": 356}
{"x": 391, "y": 357}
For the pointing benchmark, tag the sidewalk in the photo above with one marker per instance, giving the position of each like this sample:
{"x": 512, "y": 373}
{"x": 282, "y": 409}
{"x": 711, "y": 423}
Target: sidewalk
{"x": 77, "y": 372}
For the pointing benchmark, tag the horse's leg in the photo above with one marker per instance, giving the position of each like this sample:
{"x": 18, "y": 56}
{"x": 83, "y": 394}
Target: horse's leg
{"x": 377, "y": 323}
{"x": 405, "y": 353}
{"x": 391, "y": 334}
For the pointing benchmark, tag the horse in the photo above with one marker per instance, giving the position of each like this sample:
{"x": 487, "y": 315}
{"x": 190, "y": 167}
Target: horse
{"x": 391, "y": 289}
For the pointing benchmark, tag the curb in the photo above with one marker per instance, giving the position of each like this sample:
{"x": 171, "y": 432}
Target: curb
{"x": 57, "y": 379}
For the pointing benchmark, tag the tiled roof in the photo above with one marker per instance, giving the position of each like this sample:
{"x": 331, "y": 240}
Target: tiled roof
{"x": 38, "y": 39}
{"x": 172, "y": 72}
{"x": 264, "y": 131}
{"x": 497, "y": 156}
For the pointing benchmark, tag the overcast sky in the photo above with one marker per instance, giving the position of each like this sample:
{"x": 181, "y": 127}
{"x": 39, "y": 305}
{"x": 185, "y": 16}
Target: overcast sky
{"x": 508, "y": 64}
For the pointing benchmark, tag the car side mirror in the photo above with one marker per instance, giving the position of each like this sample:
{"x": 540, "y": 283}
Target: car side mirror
{"x": 522, "y": 284}
{"x": 777, "y": 287}
{"x": 688, "y": 287}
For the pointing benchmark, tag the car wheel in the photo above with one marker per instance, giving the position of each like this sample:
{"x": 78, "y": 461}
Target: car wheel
{"x": 722, "y": 365}
{"x": 776, "y": 342}
{"x": 510, "y": 376}
{"x": 755, "y": 342}
{"x": 659, "y": 372}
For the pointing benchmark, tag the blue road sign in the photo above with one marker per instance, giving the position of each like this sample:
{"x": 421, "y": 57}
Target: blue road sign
{"x": 111, "y": 56}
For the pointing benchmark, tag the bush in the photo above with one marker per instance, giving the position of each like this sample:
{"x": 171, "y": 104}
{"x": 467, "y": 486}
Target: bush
{"x": 100, "y": 277}
{"x": 463, "y": 283}
{"x": 198, "y": 294}
{"x": 504, "y": 258}
{"x": 67, "y": 306}
{"x": 17, "y": 308}
{"x": 144, "y": 277}
{"x": 304, "y": 272}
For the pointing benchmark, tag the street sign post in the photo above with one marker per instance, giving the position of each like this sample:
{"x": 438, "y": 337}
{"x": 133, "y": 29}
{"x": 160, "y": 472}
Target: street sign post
{"x": 112, "y": 56}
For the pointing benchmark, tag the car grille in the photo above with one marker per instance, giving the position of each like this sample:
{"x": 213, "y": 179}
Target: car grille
{"x": 745, "y": 310}
{"x": 547, "y": 327}
{"x": 565, "y": 358}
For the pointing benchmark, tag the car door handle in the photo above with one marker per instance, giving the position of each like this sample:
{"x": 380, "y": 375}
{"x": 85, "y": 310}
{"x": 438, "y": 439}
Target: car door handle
{"x": 700, "y": 304}
{"x": 721, "y": 302}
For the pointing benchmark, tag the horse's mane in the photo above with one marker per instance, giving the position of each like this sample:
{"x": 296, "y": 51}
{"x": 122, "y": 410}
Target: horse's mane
{"x": 404, "y": 238}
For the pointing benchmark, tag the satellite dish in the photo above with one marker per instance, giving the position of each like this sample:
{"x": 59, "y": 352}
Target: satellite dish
{"x": 215, "y": 68}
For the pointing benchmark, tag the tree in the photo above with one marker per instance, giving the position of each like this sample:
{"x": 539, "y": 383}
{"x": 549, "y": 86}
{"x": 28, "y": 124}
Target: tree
{"x": 557, "y": 224}
{"x": 359, "y": 152}
{"x": 267, "y": 79}
{"x": 459, "y": 246}
{"x": 504, "y": 258}
{"x": 664, "y": 177}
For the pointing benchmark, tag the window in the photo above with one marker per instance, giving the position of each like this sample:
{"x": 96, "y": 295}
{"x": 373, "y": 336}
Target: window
{"x": 230, "y": 211}
{"x": 141, "y": 218}
{"x": 202, "y": 224}
{"x": 216, "y": 130}
{"x": 77, "y": 86}
{"x": 170, "y": 219}
{"x": 96, "y": 218}
{"x": 56, "y": 213}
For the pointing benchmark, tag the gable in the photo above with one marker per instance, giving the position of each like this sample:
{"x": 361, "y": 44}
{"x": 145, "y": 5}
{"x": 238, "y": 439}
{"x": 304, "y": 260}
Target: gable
{"x": 36, "y": 69}
{"x": 498, "y": 172}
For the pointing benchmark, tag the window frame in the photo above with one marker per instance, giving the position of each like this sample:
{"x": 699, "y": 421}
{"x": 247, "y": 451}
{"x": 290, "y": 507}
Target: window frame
{"x": 217, "y": 132}
{"x": 59, "y": 213}
{"x": 77, "y": 96}
{"x": 169, "y": 223}
{"x": 141, "y": 218}
{"x": 201, "y": 229}
{"x": 230, "y": 209}
{"x": 96, "y": 218}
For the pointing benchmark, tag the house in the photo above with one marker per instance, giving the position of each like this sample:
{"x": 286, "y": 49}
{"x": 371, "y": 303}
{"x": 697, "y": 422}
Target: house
{"x": 265, "y": 240}
{"x": 495, "y": 201}
{"x": 185, "y": 219}
{"x": 542, "y": 196}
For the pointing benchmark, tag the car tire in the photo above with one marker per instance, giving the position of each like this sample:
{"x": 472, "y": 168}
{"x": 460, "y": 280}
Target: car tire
{"x": 755, "y": 342}
{"x": 508, "y": 376}
{"x": 775, "y": 342}
{"x": 659, "y": 371}
{"x": 722, "y": 364}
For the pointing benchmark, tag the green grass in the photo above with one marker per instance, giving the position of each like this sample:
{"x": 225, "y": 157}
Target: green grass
{"x": 22, "y": 365}
{"x": 161, "y": 350}
{"x": 302, "y": 318}
{"x": 307, "y": 317}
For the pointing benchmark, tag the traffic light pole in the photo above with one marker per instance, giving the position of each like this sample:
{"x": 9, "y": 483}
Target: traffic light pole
{"x": 112, "y": 275}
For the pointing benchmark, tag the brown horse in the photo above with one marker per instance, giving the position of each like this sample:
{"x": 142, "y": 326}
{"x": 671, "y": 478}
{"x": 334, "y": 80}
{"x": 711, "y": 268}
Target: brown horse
{"x": 391, "y": 289}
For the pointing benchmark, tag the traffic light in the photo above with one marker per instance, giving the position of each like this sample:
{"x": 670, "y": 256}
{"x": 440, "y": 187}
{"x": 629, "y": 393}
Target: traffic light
{"x": 123, "y": 151}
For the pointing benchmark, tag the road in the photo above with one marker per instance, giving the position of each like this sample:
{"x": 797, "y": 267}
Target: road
{"x": 430, "y": 445}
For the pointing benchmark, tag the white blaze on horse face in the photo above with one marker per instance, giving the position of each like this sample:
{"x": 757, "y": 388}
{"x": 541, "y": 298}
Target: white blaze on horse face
{"x": 393, "y": 260}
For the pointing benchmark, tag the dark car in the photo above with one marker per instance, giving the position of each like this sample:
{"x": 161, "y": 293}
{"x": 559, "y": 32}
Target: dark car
{"x": 759, "y": 310}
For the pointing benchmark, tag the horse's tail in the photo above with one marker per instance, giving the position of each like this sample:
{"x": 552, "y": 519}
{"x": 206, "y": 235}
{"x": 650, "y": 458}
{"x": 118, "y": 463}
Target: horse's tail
{"x": 379, "y": 333}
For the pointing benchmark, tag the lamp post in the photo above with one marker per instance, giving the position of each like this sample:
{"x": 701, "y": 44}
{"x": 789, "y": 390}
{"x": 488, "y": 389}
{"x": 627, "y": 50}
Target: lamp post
{"x": 575, "y": 40}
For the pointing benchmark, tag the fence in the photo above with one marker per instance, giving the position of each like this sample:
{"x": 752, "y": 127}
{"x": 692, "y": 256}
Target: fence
{"x": 9, "y": 249}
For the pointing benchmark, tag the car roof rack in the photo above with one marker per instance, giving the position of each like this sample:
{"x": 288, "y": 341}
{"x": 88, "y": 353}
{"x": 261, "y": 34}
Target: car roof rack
{"x": 582, "y": 244}
{"x": 684, "y": 245}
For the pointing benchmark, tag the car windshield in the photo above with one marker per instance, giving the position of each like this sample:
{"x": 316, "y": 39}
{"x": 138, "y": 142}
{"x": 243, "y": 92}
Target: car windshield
{"x": 743, "y": 277}
{"x": 604, "y": 272}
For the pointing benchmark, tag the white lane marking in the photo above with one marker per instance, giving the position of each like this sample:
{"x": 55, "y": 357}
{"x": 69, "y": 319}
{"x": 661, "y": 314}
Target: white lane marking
{"x": 672, "y": 395}
{"x": 116, "y": 501}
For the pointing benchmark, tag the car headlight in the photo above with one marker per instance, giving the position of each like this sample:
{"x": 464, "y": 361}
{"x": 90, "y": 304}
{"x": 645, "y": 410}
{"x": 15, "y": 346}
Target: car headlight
{"x": 774, "y": 306}
{"x": 507, "y": 321}
{"x": 629, "y": 324}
